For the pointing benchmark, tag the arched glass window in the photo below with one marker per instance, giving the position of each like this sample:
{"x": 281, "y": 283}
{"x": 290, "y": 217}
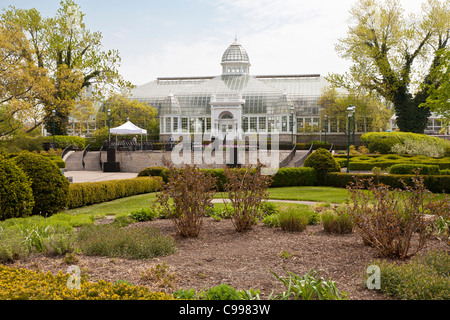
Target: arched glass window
{"x": 226, "y": 116}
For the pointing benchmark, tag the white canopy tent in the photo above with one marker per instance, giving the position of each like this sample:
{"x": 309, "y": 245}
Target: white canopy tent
{"x": 128, "y": 128}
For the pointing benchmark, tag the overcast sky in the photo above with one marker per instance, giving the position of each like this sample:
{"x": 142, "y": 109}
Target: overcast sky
{"x": 188, "y": 37}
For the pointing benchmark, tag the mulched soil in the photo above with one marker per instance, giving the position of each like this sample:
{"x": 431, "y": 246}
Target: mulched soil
{"x": 243, "y": 260}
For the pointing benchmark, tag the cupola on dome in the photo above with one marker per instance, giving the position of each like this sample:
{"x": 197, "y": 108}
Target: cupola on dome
{"x": 235, "y": 59}
{"x": 235, "y": 53}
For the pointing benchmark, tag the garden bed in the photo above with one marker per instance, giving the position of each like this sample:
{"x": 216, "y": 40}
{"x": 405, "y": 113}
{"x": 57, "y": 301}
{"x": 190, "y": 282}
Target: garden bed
{"x": 242, "y": 260}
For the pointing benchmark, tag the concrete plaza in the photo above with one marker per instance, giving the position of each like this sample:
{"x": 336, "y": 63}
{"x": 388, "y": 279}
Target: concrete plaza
{"x": 95, "y": 176}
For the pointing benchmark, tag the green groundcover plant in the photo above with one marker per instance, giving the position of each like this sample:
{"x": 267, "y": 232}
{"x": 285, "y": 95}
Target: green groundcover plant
{"x": 310, "y": 286}
{"x": 425, "y": 277}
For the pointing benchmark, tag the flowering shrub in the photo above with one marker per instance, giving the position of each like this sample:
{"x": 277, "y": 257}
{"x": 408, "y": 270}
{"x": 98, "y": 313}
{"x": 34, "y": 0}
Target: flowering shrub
{"x": 22, "y": 284}
{"x": 419, "y": 148}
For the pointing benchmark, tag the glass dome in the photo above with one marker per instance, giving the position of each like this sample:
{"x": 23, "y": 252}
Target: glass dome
{"x": 235, "y": 53}
{"x": 235, "y": 60}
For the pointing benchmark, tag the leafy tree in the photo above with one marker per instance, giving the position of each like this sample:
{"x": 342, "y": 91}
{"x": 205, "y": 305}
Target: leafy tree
{"x": 439, "y": 99}
{"x": 369, "y": 107}
{"x": 393, "y": 55}
{"x": 23, "y": 84}
{"x": 72, "y": 54}
{"x": 123, "y": 108}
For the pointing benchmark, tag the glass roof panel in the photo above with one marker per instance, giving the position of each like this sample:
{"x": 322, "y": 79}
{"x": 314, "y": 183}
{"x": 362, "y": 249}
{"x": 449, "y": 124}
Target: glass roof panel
{"x": 262, "y": 95}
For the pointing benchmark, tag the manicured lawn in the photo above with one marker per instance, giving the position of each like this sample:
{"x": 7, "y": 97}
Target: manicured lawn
{"x": 315, "y": 194}
{"x": 127, "y": 205}
{"x": 119, "y": 206}
{"x": 318, "y": 194}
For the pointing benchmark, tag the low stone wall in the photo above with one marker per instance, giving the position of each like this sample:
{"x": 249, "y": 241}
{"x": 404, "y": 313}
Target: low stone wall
{"x": 334, "y": 138}
{"x": 135, "y": 161}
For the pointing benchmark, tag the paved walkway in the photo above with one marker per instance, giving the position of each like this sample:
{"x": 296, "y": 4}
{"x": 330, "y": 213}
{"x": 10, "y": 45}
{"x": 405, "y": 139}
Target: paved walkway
{"x": 309, "y": 203}
{"x": 95, "y": 176}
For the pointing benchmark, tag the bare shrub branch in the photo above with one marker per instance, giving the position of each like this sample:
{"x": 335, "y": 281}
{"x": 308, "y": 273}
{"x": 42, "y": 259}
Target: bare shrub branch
{"x": 186, "y": 197}
{"x": 387, "y": 219}
{"x": 246, "y": 188}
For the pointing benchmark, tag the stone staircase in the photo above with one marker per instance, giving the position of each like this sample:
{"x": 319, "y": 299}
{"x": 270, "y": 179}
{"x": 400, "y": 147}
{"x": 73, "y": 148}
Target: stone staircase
{"x": 92, "y": 161}
{"x": 295, "y": 162}
{"x": 74, "y": 161}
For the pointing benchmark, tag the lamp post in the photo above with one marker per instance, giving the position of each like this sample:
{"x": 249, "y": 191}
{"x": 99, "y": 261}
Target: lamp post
{"x": 292, "y": 125}
{"x": 354, "y": 125}
{"x": 326, "y": 126}
{"x": 350, "y": 113}
{"x": 54, "y": 125}
{"x": 109, "y": 125}
{"x": 447, "y": 130}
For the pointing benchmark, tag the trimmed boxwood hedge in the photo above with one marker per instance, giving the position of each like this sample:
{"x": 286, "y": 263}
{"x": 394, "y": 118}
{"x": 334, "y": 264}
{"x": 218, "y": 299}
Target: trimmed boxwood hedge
{"x": 285, "y": 177}
{"x": 16, "y": 195}
{"x": 294, "y": 177}
{"x": 56, "y": 159}
{"x": 152, "y": 172}
{"x": 322, "y": 161}
{"x": 435, "y": 184}
{"x": 399, "y": 137}
{"x": 367, "y": 163}
{"x": 50, "y": 187}
{"x": 411, "y": 168}
{"x": 383, "y": 146}
{"x": 367, "y": 166}
{"x": 63, "y": 142}
{"x": 85, "y": 194}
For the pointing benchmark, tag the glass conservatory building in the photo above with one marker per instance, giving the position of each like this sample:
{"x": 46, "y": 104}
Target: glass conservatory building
{"x": 234, "y": 102}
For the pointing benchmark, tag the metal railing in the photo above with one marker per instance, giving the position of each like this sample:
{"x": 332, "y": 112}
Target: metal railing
{"x": 100, "y": 157}
{"x": 289, "y": 158}
{"x": 66, "y": 151}
{"x": 139, "y": 146}
{"x": 85, "y": 151}
{"x": 301, "y": 161}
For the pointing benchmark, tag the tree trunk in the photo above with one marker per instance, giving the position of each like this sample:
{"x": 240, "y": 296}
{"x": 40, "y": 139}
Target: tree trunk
{"x": 61, "y": 123}
{"x": 410, "y": 117}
